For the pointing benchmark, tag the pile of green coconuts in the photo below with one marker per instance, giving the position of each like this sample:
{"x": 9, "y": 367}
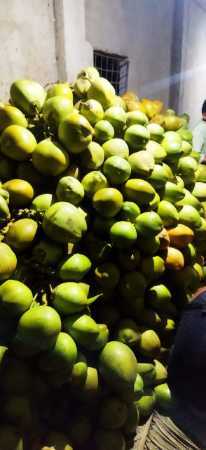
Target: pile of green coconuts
{"x": 102, "y": 243}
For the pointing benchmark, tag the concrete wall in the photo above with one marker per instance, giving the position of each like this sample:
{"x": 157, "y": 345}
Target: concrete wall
{"x": 73, "y": 51}
{"x": 141, "y": 30}
{"x": 193, "y": 77}
{"x": 27, "y": 42}
{"x": 43, "y": 40}
{"x": 48, "y": 40}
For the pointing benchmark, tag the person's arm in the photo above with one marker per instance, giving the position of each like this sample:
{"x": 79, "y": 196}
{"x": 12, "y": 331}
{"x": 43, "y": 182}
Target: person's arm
{"x": 199, "y": 291}
{"x": 198, "y": 140}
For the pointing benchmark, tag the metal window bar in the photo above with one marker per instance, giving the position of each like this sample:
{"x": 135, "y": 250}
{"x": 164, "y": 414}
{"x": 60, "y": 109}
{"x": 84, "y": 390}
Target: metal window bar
{"x": 114, "y": 68}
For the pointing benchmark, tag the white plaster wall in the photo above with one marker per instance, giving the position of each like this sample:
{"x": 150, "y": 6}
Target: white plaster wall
{"x": 48, "y": 40}
{"x": 42, "y": 39}
{"x": 78, "y": 52}
{"x": 140, "y": 29}
{"x": 27, "y": 42}
{"x": 193, "y": 76}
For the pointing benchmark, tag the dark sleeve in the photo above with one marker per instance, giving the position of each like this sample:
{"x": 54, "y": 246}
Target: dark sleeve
{"x": 187, "y": 363}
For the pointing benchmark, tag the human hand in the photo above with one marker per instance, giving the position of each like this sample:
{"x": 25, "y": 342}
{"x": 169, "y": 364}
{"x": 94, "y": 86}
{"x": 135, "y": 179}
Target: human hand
{"x": 203, "y": 159}
{"x": 199, "y": 291}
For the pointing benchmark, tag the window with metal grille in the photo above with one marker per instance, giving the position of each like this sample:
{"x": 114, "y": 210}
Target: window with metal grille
{"x": 113, "y": 67}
